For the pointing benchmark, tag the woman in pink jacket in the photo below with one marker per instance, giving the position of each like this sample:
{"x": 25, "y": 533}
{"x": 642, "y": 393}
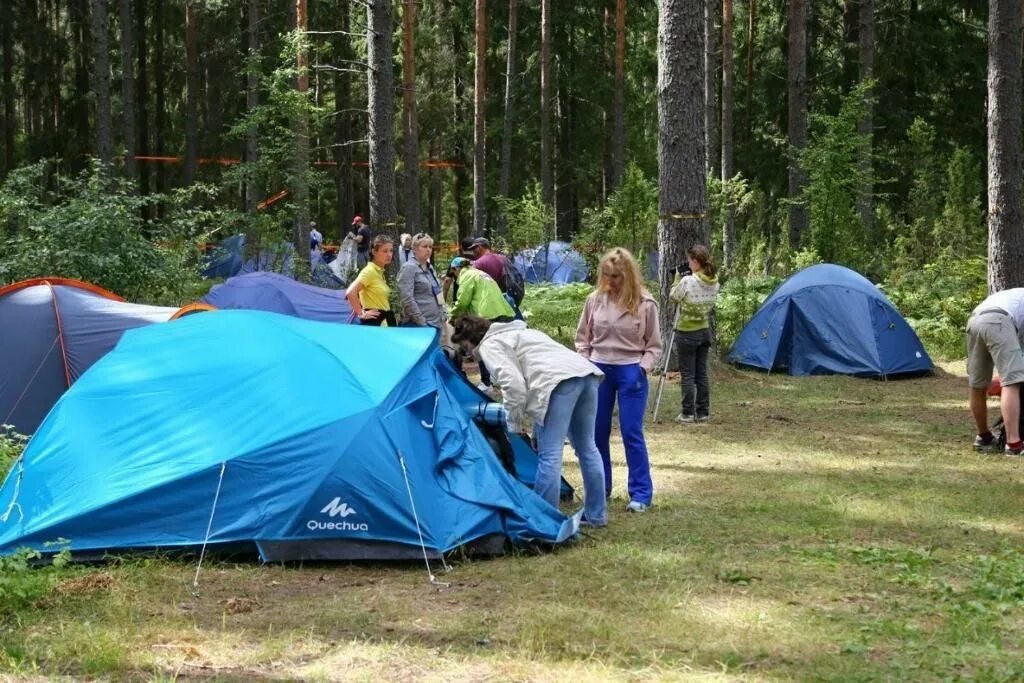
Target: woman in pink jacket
{"x": 619, "y": 333}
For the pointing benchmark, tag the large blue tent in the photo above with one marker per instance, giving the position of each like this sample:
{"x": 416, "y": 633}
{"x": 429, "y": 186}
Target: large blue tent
{"x": 827, "y": 319}
{"x": 277, "y": 293}
{"x": 51, "y": 331}
{"x": 555, "y": 262}
{"x": 211, "y": 431}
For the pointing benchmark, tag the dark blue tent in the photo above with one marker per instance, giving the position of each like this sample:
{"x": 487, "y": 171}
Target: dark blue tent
{"x": 227, "y": 259}
{"x": 51, "y": 331}
{"x": 555, "y": 262}
{"x": 827, "y": 319}
{"x": 280, "y": 294}
{"x": 212, "y": 431}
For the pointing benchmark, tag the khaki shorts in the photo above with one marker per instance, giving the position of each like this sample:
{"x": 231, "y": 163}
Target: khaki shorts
{"x": 992, "y": 341}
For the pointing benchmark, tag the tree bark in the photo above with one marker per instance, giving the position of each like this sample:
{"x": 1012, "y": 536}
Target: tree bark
{"x": 458, "y": 49}
{"x": 511, "y": 73}
{"x": 101, "y": 81}
{"x": 142, "y": 93}
{"x": 6, "y": 44}
{"x": 411, "y": 133}
{"x": 682, "y": 192}
{"x": 797, "y": 85}
{"x": 547, "y": 185}
{"x": 1005, "y": 219}
{"x": 729, "y": 229}
{"x": 712, "y": 14}
{"x": 128, "y": 86}
{"x": 252, "y": 100}
{"x": 380, "y": 91}
{"x": 300, "y": 153}
{"x": 343, "y": 128}
{"x": 434, "y": 191}
{"x": 480, "y": 122}
{"x": 160, "y": 95}
{"x": 866, "y": 67}
{"x": 191, "y": 93}
{"x": 619, "y": 98}
{"x": 751, "y": 48}
{"x": 80, "y": 41}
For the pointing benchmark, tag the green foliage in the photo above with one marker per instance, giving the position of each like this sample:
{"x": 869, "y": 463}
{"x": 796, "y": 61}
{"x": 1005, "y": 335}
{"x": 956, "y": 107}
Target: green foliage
{"x": 938, "y": 298}
{"x": 91, "y": 227}
{"x": 530, "y": 221}
{"x": 11, "y": 445}
{"x": 21, "y": 583}
{"x": 961, "y": 228}
{"x": 835, "y": 180}
{"x": 555, "y": 309}
{"x": 629, "y": 219}
{"x": 738, "y": 300}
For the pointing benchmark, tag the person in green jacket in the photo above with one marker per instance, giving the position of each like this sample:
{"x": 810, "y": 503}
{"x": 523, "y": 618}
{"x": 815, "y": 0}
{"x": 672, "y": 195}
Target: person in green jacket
{"x": 480, "y": 295}
{"x": 696, "y": 295}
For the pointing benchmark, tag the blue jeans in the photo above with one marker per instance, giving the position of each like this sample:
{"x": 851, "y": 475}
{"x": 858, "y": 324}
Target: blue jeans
{"x": 693, "y": 348}
{"x": 571, "y": 411}
{"x": 629, "y": 384}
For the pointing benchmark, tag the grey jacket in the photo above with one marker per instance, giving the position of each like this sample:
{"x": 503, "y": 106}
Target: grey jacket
{"x": 416, "y": 285}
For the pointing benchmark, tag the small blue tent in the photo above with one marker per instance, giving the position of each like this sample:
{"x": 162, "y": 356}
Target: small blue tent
{"x": 212, "y": 431}
{"x": 51, "y": 331}
{"x": 555, "y": 262}
{"x": 827, "y": 319}
{"x": 280, "y": 294}
{"x": 227, "y": 259}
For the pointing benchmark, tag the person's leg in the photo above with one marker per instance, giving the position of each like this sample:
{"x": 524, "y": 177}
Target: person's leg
{"x": 687, "y": 367}
{"x": 581, "y": 434}
{"x": 1009, "y": 406}
{"x": 551, "y": 439}
{"x": 603, "y": 422}
{"x": 632, "y": 406}
{"x": 980, "y": 365}
{"x": 702, "y": 405}
{"x": 485, "y": 375}
{"x": 979, "y": 409}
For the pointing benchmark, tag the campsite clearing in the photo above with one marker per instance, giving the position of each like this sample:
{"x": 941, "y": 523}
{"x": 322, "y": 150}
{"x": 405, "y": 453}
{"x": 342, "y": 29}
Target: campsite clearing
{"x": 820, "y": 527}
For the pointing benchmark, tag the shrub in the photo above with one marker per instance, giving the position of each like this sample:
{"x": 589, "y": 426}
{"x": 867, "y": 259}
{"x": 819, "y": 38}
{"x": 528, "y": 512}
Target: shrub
{"x": 738, "y": 300}
{"x": 555, "y": 309}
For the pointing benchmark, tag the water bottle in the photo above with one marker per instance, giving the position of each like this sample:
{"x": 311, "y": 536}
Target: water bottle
{"x": 492, "y": 414}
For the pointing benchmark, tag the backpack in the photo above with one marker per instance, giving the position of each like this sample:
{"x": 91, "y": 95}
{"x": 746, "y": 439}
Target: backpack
{"x": 515, "y": 283}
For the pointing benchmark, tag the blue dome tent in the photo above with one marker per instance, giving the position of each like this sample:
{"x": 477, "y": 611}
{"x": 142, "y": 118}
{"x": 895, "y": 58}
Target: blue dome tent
{"x": 227, "y": 259}
{"x": 827, "y": 319}
{"x": 555, "y": 262}
{"x": 53, "y": 330}
{"x": 212, "y": 432}
{"x": 277, "y": 293}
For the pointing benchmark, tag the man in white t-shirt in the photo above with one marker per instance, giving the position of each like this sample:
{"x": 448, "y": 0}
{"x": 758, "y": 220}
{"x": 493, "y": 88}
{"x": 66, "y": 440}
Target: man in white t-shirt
{"x": 993, "y": 340}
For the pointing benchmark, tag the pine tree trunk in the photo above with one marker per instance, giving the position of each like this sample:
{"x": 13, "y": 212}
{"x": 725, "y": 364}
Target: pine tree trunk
{"x": 729, "y": 230}
{"x": 343, "y": 128}
{"x": 300, "y": 154}
{"x": 142, "y": 93}
{"x": 6, "y": 46}
{"x": 866, "y": 66}
{"x": 711, "y": 70}
{"x": 191, "y": 163}
{"x": 252, "y": 100}
{"x": 480, "y": 122}
{"x": 682, "y": 192}
{"x": 458, "y": 50}
{"x": 435, "y": 191}
{"x": 160, "y": 95}
{"x": 797, "y": 85}
{"x": 751, "y": 47}
{"x": 511, "y": 69}
{"x": 80, "y": 42}
{"x": 101, "y": 81}
{"x": 1005, "y": 220}
{"x": 411, "y": 129}
{"x": 380, "y": 90}
{"x": 128, "y": 86}
{"x": 547, "y": 185}
{"x": 619, "y": 98}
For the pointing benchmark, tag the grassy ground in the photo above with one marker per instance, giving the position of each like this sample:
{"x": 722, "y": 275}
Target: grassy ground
{"x": 818, "y": 528}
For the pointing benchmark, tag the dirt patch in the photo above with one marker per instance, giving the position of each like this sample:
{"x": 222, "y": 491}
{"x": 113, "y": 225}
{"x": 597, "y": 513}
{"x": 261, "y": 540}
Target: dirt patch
{"x": 85, "y": 585}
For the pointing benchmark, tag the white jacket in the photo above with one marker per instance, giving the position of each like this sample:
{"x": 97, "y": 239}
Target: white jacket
{"x": 527, "y": 365}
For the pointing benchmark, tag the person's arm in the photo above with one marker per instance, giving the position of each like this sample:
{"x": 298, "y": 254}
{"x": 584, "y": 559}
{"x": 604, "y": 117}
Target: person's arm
{"x": 585, "y": 329}
{"x": 352, "y": 294}
{"x": 406, "y": 287}
{"x": 467, "y": 286}
{"x": 652, "y": 336}
{"x": 500, "y": 359}
{"x": 678, "y": 291}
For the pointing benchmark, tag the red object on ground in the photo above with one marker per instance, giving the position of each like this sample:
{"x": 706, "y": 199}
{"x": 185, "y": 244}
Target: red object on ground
{"x": 995, "y": 389}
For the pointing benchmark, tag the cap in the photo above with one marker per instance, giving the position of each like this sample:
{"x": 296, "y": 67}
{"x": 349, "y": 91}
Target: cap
{"x": 466, "y": 244}
{"x": 356, "y": 219}
{"x": 480, "y": 242}
{"x": 459, "y": 262}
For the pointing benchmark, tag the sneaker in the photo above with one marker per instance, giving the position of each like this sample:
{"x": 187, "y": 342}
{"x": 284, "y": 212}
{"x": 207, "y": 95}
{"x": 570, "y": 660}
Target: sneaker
{"x": 636, "y": 506}
{"x": 1013, "y": 451}
{"x": 702, "y": 418}
{"x": 593, "y": 525}
{"x": 683, "y": 418}
{"x": 983, "y": 445}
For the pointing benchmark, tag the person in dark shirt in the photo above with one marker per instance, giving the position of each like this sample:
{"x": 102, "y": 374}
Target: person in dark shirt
{"x": 363, "y": 236}
{"x": 488, "y": 260}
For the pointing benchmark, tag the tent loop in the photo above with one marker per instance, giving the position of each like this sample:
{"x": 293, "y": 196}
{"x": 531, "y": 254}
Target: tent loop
{"x": 433, "y": 419}
{"x": 17, "y": 489}
{"x": 209, "y": 525}
{"x": 31, "y": 380}
{"x": 419, "y": 531}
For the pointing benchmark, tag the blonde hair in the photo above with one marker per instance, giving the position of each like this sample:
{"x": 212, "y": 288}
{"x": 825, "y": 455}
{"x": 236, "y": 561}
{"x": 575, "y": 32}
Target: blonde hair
{"x": 422, "y": 238}
{"x": 632, "y": 292}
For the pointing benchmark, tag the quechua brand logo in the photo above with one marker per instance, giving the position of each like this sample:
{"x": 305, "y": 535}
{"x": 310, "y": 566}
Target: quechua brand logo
{"x": 337, "y": 508}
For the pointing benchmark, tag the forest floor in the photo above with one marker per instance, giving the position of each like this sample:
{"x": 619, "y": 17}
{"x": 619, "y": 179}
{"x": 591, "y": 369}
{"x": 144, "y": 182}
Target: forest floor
{"x": 817, "y": 528}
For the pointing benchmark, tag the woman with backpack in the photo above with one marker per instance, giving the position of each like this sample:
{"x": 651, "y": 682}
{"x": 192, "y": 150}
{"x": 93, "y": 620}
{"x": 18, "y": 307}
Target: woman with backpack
{"x": 619, "y": 332}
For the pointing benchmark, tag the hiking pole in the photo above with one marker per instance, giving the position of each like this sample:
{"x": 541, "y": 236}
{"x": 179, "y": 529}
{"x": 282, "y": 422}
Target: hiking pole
{"x": 664, "y": 370}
